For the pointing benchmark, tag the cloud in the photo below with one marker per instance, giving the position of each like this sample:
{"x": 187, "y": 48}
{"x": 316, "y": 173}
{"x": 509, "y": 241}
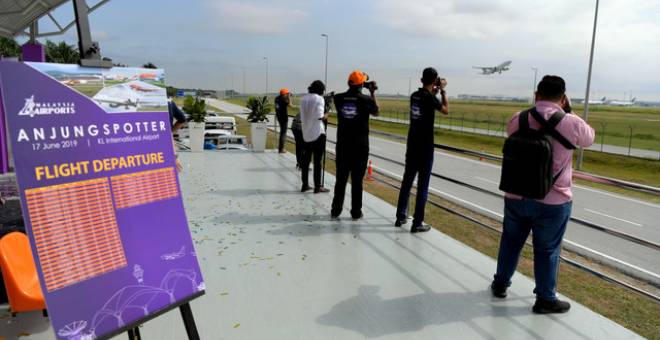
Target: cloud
{"x": 257, "y": 17}
{"x": 564, "y": 22}
{"x": 474, "y": 19}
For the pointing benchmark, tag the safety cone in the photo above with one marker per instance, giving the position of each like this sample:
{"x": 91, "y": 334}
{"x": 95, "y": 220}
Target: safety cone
{"x": 481, "y": 156}
{"x": 370, "y": 172}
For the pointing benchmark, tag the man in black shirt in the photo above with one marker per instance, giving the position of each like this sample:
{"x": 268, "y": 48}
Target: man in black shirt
{"x": 420, "y": 147}
{"x": 282, "y": 104}
{"x": 352, "y": 152}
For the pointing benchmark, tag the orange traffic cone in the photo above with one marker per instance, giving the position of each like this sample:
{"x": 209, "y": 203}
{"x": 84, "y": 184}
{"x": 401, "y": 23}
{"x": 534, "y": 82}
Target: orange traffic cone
{"x": 370, "y": 172}
{"x": 481, "y": 157}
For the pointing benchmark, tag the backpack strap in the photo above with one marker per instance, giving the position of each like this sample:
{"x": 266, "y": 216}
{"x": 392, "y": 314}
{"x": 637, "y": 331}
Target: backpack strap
{"x": 549, "y": 127}
{"x": 523, "y": 120}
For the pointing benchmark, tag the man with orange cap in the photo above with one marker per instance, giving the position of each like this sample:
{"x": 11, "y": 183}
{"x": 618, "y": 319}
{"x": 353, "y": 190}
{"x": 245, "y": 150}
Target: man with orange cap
{"x": 352, "y": 150}
{"x": 282, "y": 104}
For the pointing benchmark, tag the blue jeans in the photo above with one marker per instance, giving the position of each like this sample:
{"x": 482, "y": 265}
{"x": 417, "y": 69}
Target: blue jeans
{"x": 548, "y": 223}
{"x": 422, "y": 165}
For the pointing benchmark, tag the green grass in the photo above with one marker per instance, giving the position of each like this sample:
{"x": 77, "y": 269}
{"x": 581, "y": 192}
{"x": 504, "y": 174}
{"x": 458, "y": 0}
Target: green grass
{"x": 631, "y": 310}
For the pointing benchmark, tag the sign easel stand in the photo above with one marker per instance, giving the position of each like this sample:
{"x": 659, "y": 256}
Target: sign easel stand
{"x": 188, "y": 323}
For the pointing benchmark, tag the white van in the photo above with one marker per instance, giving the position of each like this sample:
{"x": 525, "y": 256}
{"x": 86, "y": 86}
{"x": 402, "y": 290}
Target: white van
{"x": 216, "y": 122}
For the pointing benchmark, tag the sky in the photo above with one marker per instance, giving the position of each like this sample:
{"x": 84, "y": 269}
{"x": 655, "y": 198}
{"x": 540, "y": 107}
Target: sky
{"x": 211, "y": 44}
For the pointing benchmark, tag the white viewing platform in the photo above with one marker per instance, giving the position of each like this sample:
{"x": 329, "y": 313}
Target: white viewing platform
{"x": 277, "y": 267}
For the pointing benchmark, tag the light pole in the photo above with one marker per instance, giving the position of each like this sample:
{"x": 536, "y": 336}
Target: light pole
{"x": 536, "y": 70}
{"x": 325, "y": 78}
{"x": 409, "y": 86}
{"x": 586, "y": 96}
{"x": 243, "y": 79}
{"x": 266, "y": 59}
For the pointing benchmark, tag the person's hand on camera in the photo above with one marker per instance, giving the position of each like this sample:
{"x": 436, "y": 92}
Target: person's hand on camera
{"x": 373, "y": 87}
{"x": 567, "y": 104}
{"x": 443, "y": 84}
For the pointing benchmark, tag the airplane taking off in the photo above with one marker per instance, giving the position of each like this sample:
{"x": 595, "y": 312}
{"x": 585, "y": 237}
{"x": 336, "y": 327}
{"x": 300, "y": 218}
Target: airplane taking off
{"x": 494, "y": 69}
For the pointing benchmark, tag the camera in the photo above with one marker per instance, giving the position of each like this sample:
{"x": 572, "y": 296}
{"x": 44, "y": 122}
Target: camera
{"x": 370, "y": 85}
{"x": 329, "y": 99}
{"x": 440, "y": 84}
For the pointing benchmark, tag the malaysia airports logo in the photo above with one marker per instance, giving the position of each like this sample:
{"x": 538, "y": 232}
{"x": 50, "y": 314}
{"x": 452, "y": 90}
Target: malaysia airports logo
{"x": 32, "y": 108}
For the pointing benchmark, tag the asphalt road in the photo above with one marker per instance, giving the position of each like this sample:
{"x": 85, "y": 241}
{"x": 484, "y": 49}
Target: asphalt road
{"x": 632, "y": 216}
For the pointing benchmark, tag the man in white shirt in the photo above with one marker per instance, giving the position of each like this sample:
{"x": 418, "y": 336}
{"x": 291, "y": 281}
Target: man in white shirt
{"x": 312, "y": 114}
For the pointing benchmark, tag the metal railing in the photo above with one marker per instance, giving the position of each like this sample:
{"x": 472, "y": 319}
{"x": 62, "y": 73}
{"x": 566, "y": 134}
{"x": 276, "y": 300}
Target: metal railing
{"x": 576, "y": 174}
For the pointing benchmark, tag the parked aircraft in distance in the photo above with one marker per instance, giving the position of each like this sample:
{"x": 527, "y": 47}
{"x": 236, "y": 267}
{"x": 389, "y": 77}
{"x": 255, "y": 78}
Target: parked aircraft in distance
{"x": 598, "y": 102}
{"x": 623, "y": 102}
{"x": 494, "y": 69}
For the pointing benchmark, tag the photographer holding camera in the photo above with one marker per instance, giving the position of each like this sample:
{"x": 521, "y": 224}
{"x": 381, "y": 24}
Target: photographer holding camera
{"x": 352, "y": 151}
{"x": 420, "y": 147}
{"x": 282, "y": 105}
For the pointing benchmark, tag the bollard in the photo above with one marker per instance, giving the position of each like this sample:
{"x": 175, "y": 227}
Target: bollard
{"x": 602, "y": 136}
{"x": 370, "y": 172}
{"x": 630, "y": 139}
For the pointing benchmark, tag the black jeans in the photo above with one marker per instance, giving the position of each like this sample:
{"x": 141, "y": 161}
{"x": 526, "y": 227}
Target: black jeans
{"x": 315, "y": 149}
{"x": 350, "y": 161}
{"x": 284, "y": 126}
{"x": 300, "y": 145}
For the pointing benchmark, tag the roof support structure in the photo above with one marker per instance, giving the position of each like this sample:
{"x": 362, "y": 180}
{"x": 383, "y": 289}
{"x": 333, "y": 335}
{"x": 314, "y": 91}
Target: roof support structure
{"x": 90, "y": 52}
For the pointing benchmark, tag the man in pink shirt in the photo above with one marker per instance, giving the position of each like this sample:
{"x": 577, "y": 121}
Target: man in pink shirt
{"x": 547, "y": 217}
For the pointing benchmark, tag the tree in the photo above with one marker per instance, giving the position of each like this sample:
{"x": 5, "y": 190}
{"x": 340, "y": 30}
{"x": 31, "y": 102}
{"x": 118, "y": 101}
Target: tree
{"x": 149, "y": 65}
{"x": 9, "y": 48}
{"x": 171, "y": 91}
{"x": 61, "y": 53}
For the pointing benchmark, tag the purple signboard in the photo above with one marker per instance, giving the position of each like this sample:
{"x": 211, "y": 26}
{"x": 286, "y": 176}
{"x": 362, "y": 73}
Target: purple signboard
{"x": 101, "y": 201}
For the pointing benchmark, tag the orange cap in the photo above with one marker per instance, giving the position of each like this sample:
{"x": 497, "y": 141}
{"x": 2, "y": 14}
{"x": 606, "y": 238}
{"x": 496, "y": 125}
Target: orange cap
{"x": 284, "y": 91}
{"x": 357, "y": 77}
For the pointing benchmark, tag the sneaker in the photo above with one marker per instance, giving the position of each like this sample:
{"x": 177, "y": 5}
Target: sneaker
{"x": 422, "y": 228}
{"x": 498, "y": 289}
{"x": 321, "y": 190}
{"x": 400, "y": 222}
{"x": 305, "y": 188}
{"x": 543, "y": 306}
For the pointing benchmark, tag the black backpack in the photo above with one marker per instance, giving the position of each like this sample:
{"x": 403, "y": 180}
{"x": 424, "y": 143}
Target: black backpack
{"x": 527, "y": 164}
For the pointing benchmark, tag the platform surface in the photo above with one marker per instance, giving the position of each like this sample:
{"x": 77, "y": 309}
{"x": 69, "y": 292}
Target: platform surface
{"x": 277, "y": 267}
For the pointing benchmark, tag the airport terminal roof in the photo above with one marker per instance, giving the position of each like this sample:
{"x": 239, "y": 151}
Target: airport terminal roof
{"x": 17, "y": 15}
